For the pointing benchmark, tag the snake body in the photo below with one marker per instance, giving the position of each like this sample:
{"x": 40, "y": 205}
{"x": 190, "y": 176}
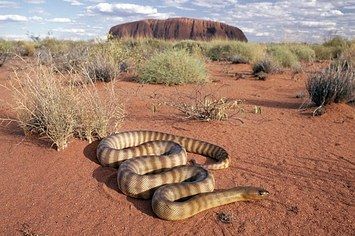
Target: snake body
{"x": 154, "y": 165}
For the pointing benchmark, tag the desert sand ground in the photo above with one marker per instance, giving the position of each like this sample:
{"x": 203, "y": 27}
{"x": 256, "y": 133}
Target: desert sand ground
{"x": 306, "y": 163}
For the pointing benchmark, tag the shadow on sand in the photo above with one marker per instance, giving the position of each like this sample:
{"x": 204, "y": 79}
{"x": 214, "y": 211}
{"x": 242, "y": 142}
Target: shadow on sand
{"x": 108, "y": 177}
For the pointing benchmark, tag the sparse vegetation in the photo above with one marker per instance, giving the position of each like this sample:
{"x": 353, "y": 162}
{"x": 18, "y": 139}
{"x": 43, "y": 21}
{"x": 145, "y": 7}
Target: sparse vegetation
{"x": 283, "y": 56}
{"x": 335, "y": 84}
{"x": 25, "y": 49}
{"x": 47, "y": 106}
{"x": 225, "y": 50}
{"x": 332, "y": 48}
{"x": 100, "y": 68}
{"x": 264, "y": 66}
{"x": 303, "y": 52}
{"x": 5, "y": 51}
{"x": 208, "y": 107}
{"x": 173, "y": 67}
{"x": 193, "y": 47}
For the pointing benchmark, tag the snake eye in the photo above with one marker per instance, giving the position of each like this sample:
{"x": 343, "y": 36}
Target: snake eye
{"x": 263, "y": 192}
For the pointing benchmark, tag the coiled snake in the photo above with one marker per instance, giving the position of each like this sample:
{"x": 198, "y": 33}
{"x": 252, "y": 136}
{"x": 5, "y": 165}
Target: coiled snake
{"x": 154, "y": 164}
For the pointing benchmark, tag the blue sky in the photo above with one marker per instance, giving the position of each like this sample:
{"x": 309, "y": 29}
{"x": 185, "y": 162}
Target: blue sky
{"x": 260, "y": 20}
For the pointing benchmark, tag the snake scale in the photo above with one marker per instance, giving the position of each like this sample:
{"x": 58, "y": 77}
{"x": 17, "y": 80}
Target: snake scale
{"x": 154, "y": 165}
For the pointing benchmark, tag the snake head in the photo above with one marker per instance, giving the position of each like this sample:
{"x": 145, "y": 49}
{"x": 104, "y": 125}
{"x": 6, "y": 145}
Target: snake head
{"x": 252, "y": 193}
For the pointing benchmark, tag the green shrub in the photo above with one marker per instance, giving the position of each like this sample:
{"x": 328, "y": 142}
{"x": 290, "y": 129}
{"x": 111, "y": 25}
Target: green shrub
{"x": 193, "y": 47}
{"x": 5, "y": 51}
{"x": 173, "y": 67}
{"x": 303, "y": 52}
{"x": 335, "y": 84}
{"x": 283, "y": 56}
{"x": 338, "y": 44}
{"x": 332, "y": 48}
{"x": 323, "y": 53}
{"x": 225, "y": 50}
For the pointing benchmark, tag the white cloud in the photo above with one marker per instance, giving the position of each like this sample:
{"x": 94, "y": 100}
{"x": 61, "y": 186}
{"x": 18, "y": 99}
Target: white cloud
{"x": 36, "y": 18}
{"x": 74, "y": 31}
{"x": 13, "y": 18}
{"x": 36, "y": 1}
{"x": 60, "y": 20}
{"x": 318, "y": 23}
{"x": 213, "y": 3}
{"x": 123, "y": 9}
{"x": 332, "y": 13}
{"x": 74, "y": 2}
{"x": 8, "y": 4}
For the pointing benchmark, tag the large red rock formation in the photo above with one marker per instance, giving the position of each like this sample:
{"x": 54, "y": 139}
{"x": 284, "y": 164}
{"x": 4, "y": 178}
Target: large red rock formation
{"x": 178, "y": 28}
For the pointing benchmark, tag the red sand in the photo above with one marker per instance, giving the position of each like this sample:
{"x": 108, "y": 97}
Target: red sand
{"x": 307, "y": 164}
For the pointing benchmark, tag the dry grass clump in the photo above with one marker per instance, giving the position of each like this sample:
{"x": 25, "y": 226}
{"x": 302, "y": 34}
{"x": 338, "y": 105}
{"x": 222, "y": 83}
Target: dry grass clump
{"x": 25, "y": 49}
{"x": 45, "y": 107}
{"x": 335, "y": 84}
{"x": 98, "y": 115}
{"x": 262, "y": 68}
{"x": 207, "y": 107}
{"x": 173, "y": 67}
{"x": 54, "y": 110}
{"x": 65, "y": 56}
{"x": 264, "y": 65}
{"x": 100, "y": 68}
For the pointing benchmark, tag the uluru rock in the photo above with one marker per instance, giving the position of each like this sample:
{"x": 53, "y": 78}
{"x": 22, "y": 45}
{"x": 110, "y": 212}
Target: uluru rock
{"x": 177, "y": 28}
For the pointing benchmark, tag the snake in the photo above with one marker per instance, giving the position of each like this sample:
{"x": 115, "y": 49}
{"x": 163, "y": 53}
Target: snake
{"x": 154, "y": 165}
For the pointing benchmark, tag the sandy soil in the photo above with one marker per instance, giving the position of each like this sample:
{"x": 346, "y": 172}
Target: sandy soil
{"x": 306, "y": 163}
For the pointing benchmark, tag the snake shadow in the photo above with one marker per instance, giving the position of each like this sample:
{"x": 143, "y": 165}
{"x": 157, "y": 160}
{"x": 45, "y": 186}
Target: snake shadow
{"x": 107, "y": 176}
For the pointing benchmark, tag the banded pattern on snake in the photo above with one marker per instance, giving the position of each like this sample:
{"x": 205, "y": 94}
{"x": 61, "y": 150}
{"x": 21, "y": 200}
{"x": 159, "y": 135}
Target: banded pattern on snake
{"x": 154, "y": 165}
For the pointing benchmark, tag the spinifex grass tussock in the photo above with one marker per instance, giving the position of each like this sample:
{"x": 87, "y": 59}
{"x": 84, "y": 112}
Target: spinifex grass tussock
{"x": 265, "y": 66}
{"x": 173, "y": 67}
{"x": 45, "y": 105}
{"x": 100, "y": 68}
{"x": 303, "y": 52}
{"x": 283, "y": 56}
{"x": 98, "y": 115}
{"x": 220, "y": 50}
{"x": 334, "y": 84}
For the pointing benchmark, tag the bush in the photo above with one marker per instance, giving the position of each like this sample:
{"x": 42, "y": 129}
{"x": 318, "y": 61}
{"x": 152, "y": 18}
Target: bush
{"x": 5, "y": 51}
{"x": 237, "y": 60}
{"x": 191, "y": 46}
{"x": 338, "y": 44}
{"x": 225, "y": 50}
{"x": 264, "y": 66}
{"x": 335, "y": 84}
{"x": 283, "y": 56}
{"x": 25, "y": 49}
{"x": 47, "y": 107}
{"x": 173, "y": 67}
{"x": 323, "y": 53}
{"x": 332, "y": 48}
{"x": 303, "y": 52}
{"x": 100, "y": 68}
